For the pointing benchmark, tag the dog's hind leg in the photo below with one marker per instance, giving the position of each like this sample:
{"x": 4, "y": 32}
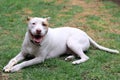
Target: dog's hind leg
{"x": 77, "y": 49}
{"x": 69, "y": 58}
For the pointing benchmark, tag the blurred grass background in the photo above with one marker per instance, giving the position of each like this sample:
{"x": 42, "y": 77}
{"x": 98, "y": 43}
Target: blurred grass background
{"x": 99, "y": 18}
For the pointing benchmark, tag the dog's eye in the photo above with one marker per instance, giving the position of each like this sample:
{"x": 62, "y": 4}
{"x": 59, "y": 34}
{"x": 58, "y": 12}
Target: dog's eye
{"x": 44, "y": 24}
{"x": 33, "y": 23}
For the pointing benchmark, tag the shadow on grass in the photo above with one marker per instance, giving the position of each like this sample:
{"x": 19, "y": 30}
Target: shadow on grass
{"x": 115, "y": 1}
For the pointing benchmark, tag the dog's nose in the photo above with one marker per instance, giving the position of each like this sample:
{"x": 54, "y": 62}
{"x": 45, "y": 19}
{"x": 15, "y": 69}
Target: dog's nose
{"x": 38, "y": 31}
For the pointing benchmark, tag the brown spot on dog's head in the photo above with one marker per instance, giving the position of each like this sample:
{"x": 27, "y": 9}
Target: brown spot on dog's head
{"x": 46, "y": 23}
{"x": 29, "y": 18}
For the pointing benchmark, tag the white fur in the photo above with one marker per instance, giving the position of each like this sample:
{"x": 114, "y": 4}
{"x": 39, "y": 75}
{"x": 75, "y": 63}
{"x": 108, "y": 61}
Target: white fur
{"x": 55, "y": 42}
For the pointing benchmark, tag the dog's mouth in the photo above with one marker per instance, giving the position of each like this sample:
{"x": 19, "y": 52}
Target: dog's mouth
{"x": 36, "y": 38}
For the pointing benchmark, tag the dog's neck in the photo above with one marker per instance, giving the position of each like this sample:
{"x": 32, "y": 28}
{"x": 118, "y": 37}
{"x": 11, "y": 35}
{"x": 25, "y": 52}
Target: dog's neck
{"x": 35, "y": 43}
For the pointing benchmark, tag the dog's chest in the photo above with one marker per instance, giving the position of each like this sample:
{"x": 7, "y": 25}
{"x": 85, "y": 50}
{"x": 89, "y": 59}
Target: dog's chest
{"x": 31, "y": 50}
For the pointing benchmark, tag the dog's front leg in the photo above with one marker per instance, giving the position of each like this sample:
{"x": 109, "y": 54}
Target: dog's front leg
{"x": 13, "y": 61}
{"x": 27, "y": 63}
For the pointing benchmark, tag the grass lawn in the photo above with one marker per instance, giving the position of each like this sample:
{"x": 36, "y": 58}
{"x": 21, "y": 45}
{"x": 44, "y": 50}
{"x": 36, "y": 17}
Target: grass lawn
{"x": 99, "y": 18}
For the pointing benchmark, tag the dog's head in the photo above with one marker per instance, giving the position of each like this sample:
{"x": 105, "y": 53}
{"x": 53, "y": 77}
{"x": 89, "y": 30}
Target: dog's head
{"x": 37, "y": 28}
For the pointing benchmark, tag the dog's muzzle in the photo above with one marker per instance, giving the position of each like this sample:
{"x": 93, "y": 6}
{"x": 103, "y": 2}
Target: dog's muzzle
{"x": 37, "y": 38}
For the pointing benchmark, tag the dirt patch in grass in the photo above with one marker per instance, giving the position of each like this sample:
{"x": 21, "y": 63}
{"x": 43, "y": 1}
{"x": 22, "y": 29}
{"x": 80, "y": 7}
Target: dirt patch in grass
{"x": 4, "y": 76}
{"x": 27, "y": 11}
{"x": 59, "y": 1}
{"x": 66, "y": 8}
{"x": 92, "y": 8}
{"x": 88, "y": 9}
{"x": 116, "y": 31}
{"x": 7, "y": 76}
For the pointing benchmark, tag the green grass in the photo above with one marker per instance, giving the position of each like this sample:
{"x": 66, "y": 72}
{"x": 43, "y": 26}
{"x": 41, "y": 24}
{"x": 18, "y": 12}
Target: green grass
{"x": 102, "y": 25}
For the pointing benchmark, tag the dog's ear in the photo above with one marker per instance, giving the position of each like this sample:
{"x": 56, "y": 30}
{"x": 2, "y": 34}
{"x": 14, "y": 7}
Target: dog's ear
{"x": 46, "y": 23}
{"x": 47, "y": 19}
{"x": 28, "y": 18}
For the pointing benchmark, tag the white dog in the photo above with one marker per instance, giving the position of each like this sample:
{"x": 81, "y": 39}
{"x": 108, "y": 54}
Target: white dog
{"x": 44, "y": 43}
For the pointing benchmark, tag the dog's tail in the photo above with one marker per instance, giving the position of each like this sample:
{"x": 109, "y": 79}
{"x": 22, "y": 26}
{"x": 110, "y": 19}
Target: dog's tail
{"x": 101, "y": 47}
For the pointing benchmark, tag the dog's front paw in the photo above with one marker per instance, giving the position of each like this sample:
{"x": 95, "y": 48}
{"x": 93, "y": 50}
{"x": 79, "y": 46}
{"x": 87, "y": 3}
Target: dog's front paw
{"x": 7, "y": 69}
{"x": 15, "y": 68}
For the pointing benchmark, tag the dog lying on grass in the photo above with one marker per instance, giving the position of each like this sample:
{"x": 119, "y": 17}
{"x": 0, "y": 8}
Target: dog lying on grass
{"x": 43, "y": 43}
